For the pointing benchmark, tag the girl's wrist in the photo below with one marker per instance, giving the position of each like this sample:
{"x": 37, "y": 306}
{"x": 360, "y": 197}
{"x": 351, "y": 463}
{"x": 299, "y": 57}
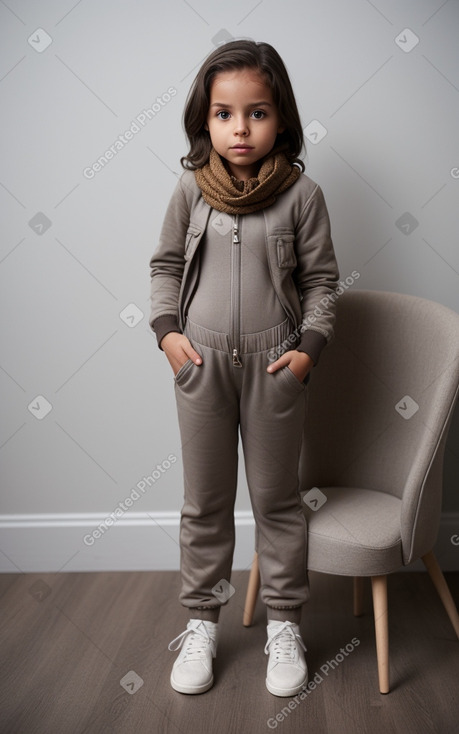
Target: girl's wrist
{"x": 307, "y": 359}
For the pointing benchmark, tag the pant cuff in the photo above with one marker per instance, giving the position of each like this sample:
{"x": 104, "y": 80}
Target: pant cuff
{"x": 284, "y": 615}
{"x": 210, "y": 614}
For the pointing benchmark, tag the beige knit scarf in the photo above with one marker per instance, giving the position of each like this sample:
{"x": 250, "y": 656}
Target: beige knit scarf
{"x": 227, "y": 194}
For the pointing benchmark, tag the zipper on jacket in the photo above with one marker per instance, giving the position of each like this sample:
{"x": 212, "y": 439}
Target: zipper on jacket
{"x": 236, "y": 292}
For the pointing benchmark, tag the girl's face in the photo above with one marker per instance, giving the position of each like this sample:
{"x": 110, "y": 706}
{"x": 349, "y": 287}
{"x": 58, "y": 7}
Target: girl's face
{"x": 243, "y": 121}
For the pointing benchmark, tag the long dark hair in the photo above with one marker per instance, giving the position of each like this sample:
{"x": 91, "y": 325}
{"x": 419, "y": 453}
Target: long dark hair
{"x": 241, "y": 55}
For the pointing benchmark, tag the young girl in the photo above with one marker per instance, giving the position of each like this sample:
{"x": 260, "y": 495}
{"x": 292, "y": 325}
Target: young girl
{"x": 243, "y": 273}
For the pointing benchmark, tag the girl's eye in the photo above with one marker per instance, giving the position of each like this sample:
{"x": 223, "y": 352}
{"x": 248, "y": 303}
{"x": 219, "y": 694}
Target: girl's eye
{"x": 223, "y": 115}
{"x": 258, "y": 114}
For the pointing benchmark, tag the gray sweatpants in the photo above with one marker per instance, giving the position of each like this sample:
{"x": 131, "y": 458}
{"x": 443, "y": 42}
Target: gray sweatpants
{"x": 214, "y": 401}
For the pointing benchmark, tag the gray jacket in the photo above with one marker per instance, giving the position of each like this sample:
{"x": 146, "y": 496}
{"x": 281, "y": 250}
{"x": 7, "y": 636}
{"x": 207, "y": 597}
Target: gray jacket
{"x": 300, "y": 255}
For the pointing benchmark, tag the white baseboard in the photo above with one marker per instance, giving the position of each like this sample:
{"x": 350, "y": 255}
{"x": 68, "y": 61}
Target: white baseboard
{"x": 139, "y": 542}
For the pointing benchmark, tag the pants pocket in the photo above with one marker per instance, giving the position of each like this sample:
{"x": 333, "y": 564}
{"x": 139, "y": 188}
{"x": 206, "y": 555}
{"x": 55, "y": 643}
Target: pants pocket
{"x": 292, "y": 379}
{"x": 178, "y": 378}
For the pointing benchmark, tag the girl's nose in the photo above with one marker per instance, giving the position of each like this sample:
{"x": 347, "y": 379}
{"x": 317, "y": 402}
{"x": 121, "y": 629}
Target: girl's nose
{"x": 241, "y": 127}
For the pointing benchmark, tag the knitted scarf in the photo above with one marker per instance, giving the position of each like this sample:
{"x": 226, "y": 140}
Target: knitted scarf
{"x": 228, "y": 194}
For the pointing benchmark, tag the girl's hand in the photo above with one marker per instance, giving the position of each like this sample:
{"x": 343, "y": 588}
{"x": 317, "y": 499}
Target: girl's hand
{"x": 178, "y": 350}
{"x": 299, "y": 363}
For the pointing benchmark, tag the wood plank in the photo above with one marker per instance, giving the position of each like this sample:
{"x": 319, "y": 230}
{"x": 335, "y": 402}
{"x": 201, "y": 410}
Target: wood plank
{"x": 67, "y": 640}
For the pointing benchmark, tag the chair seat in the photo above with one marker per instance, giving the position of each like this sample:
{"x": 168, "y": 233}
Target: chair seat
{"x": 356, "y": 532}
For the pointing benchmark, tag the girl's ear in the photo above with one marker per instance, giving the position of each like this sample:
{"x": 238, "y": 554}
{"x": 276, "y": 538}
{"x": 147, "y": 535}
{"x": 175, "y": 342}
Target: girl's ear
{"x": 281, "y": 129}
{"x": 206, "y": 127}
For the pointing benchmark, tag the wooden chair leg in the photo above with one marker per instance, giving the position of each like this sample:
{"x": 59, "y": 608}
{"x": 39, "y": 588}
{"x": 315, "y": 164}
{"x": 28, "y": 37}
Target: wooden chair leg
{"x": 358, "y": 596}
{"x": 441, "y": 586}
{"x": 379, "y": 588}
{"x": 253, "y": 588}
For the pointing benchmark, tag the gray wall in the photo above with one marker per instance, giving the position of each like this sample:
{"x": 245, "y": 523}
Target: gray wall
{"x": 76, "y": 242}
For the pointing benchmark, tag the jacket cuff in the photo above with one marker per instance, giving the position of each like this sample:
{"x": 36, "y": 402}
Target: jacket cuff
{"x": 312, "y": 342}
{"x": 163, "y": 325}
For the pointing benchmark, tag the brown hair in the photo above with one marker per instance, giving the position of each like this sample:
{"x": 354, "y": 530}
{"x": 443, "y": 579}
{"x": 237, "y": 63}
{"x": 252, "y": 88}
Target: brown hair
{"x": 241, "y": 55}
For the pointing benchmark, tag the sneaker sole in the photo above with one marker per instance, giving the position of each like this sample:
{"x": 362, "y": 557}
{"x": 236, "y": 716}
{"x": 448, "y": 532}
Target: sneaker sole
{"x": 285, "y": 692}
{"x": 191, "y": 689}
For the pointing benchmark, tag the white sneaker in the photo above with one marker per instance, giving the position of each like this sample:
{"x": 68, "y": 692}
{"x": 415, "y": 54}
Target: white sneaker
{"x": 287, "y": 670}
{"x": 192, "y": 670}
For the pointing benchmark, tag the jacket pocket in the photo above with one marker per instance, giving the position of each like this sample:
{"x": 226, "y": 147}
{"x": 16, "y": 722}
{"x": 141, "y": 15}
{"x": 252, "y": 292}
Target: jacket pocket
{"x": 192, "y": 239}
{"x": 285, "y": 245}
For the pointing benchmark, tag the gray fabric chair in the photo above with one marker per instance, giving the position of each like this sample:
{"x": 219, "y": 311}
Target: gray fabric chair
{"x": 380, "y": 405}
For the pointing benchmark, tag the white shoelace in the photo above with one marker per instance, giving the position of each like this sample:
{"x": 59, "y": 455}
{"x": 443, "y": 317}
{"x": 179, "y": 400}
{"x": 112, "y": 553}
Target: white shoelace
{"x": 284, "y": 641}
{"x": 196, "y": 639}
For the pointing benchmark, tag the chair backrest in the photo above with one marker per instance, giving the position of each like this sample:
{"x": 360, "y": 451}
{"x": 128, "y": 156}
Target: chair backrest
{"x": 380, "y": 402}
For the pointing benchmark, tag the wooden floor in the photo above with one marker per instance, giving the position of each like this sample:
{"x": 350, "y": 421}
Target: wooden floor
{"x": 67, "y": 640}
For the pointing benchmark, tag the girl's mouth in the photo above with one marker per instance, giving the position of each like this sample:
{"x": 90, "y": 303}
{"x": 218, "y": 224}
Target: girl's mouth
{"x": 242, "y": 148}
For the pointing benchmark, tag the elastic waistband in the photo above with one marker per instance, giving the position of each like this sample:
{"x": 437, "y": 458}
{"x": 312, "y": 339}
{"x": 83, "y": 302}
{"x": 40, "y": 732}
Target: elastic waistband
{"x": 258, "y": 342}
